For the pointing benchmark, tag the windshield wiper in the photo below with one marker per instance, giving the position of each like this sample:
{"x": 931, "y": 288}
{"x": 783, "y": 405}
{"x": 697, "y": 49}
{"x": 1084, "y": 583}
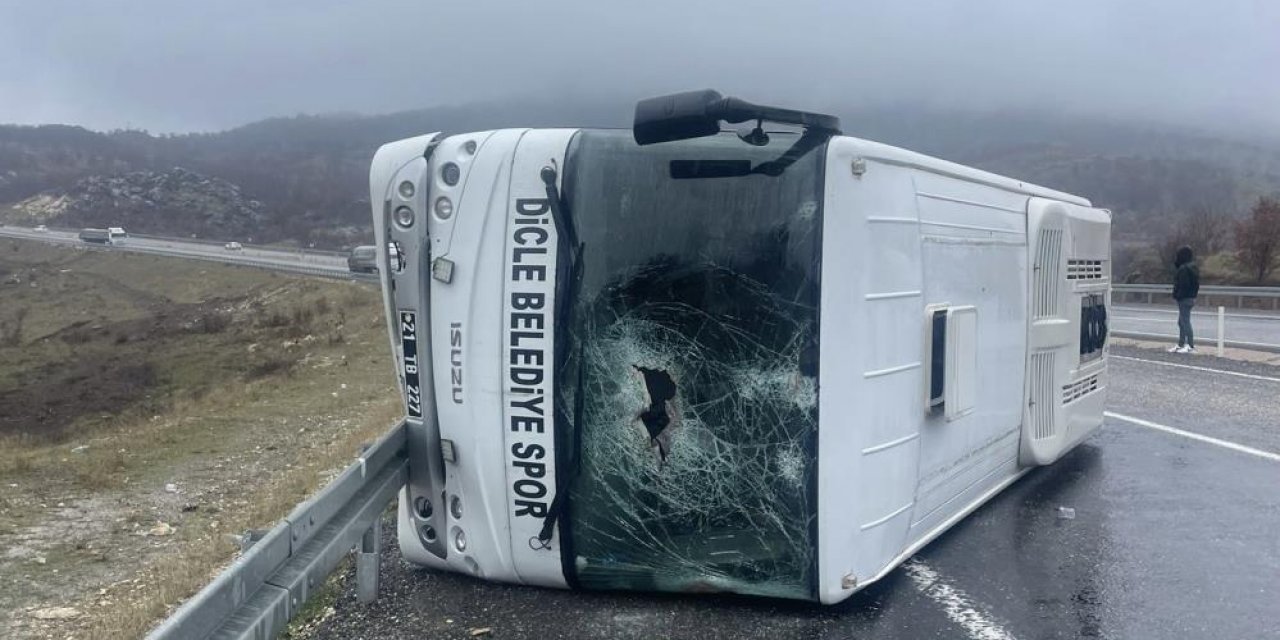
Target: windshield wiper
{"x": 699, "y": 169}
{"x": 568, "y": 271}
{"x": 564, "y": 227}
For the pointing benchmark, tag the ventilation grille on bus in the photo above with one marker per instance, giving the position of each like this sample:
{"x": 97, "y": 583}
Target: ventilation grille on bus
{"x": 1084, "y": 270}
{"x": 1047, "y": 273}
{"x": 1042, "y": 396}
{"x": 1079, "y": 389}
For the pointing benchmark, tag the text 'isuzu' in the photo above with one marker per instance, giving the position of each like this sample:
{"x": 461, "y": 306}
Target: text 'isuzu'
{"x": 776, "y": 361}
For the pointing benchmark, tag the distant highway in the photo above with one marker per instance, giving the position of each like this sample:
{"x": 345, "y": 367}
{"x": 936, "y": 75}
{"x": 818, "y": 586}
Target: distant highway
{"x": 328, "y": 264}
{"x": 1259, "y": 328}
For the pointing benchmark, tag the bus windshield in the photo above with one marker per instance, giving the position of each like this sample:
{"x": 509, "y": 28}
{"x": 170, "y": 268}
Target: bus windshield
{"x": 687, "y": 382}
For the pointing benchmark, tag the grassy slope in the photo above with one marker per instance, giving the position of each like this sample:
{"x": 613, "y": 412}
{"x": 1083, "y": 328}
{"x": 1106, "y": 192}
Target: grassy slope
{"x": 242, "y": 388}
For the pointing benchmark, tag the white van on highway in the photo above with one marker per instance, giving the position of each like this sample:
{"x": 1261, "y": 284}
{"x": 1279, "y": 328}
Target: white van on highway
{"x": 774, "y": 362}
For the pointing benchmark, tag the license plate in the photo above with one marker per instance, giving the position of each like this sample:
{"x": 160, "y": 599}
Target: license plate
{"x": 409, "y": 346}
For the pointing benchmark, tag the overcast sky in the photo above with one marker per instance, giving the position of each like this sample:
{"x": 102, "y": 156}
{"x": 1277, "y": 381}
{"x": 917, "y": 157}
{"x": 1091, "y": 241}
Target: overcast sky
{"x": 180, "y": 65}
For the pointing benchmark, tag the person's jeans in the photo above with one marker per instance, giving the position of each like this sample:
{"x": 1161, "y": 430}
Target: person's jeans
{"x": 1185, "y": 336}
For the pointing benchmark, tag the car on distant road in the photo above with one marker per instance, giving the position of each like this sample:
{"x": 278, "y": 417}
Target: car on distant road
{"x": 363, "y": 259}
{"x": 40, "y": 228}
{"x": 233, "y": 246}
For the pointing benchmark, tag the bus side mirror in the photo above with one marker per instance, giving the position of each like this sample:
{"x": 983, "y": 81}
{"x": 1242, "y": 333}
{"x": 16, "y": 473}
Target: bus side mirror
{"x": 679, "y": 116}
{"x": 695, "y": 114}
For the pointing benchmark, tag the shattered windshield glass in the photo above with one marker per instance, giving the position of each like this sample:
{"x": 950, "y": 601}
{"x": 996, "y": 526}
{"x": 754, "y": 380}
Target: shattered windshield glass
{"x": 690, "y": 379}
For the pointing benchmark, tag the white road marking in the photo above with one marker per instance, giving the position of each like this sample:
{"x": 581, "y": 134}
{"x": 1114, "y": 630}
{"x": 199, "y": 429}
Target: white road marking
{"x": 955, "y": 603}
{"x": 1195, "y": 368}
{"x": 1267, "y": 455}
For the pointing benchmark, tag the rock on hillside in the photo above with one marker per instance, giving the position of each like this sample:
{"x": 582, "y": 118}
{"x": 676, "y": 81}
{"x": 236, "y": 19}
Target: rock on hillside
{"x": 174, "y": 202}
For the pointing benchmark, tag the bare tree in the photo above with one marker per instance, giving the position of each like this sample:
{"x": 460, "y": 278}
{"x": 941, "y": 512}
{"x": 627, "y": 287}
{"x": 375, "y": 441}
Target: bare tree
{"x": 1203, "y": 228}
{"x": 1181, "y": 232}
{"x": 1258, "y": 239}
{"x": 1209, "y": 228}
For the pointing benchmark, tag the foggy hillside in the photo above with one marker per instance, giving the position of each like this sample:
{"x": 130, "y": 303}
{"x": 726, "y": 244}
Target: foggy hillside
{"x": 309, "y": 173}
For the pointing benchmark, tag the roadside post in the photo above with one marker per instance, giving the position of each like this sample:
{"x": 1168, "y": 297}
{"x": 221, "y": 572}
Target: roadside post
{"x": 367, "y": 563}
{"x": 1222, "y": 328}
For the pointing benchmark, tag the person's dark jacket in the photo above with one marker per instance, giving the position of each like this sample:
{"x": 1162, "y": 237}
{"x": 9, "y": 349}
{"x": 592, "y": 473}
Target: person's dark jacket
{"x": 1186, "y": 280}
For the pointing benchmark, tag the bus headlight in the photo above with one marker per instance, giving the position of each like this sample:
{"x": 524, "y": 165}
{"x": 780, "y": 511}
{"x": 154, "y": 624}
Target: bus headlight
{"x": 450, "y": 173}
{"x": 406, "y": 189}
{"x": 423, "y": 507}
{"x": 444, "y": 207}
{"x": 404, "y": 216}
{"x": 460, "y": 541}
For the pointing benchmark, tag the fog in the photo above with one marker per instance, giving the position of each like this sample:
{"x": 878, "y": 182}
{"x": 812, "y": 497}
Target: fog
{"x": 182, "y": 66}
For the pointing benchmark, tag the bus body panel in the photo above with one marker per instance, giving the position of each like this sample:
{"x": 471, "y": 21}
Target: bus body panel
{"x": 904, "y": 235}
{"x": 407, "y": 305}
{"x": 527, "y": 316}
{"x": 904, "y": 238}
{"x": 387, "y": 163}
{"x": 466, "y": 279}
{"x": 468, "y": 363}
{"x": 869, "y": 365}
{"x": 1066, "y": 384}
{"x": 974, "y": 254}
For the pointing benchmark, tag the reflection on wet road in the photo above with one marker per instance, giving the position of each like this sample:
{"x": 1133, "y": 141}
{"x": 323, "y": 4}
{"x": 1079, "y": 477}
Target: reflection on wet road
{"x": 1138, "y": 533}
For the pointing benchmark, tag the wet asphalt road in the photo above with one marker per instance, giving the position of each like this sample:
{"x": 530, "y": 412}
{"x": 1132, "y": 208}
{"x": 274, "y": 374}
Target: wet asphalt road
{"x": 1171, "y": 538}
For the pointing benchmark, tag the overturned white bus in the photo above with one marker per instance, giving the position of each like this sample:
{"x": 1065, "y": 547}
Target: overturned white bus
{"x": 684, "y": 359}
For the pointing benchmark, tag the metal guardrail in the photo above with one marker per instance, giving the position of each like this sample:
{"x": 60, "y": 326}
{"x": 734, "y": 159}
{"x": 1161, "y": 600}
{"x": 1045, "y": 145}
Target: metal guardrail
{"x": 339, "y": 272}
{"x": 1151, "y": 291}
{"x": 300, "y": 252}
{"x": 261, "y": 591}
{"x": 212, "y": 242}
{"x": 1208, "y": 293}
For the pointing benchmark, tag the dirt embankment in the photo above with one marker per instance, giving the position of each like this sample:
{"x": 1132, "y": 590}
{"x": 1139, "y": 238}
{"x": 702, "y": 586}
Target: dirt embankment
{"x": 151, "y": 410}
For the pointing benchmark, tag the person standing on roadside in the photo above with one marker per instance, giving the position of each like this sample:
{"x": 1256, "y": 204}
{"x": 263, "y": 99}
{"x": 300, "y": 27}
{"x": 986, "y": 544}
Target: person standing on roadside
{"x": 1186, "y": 285}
